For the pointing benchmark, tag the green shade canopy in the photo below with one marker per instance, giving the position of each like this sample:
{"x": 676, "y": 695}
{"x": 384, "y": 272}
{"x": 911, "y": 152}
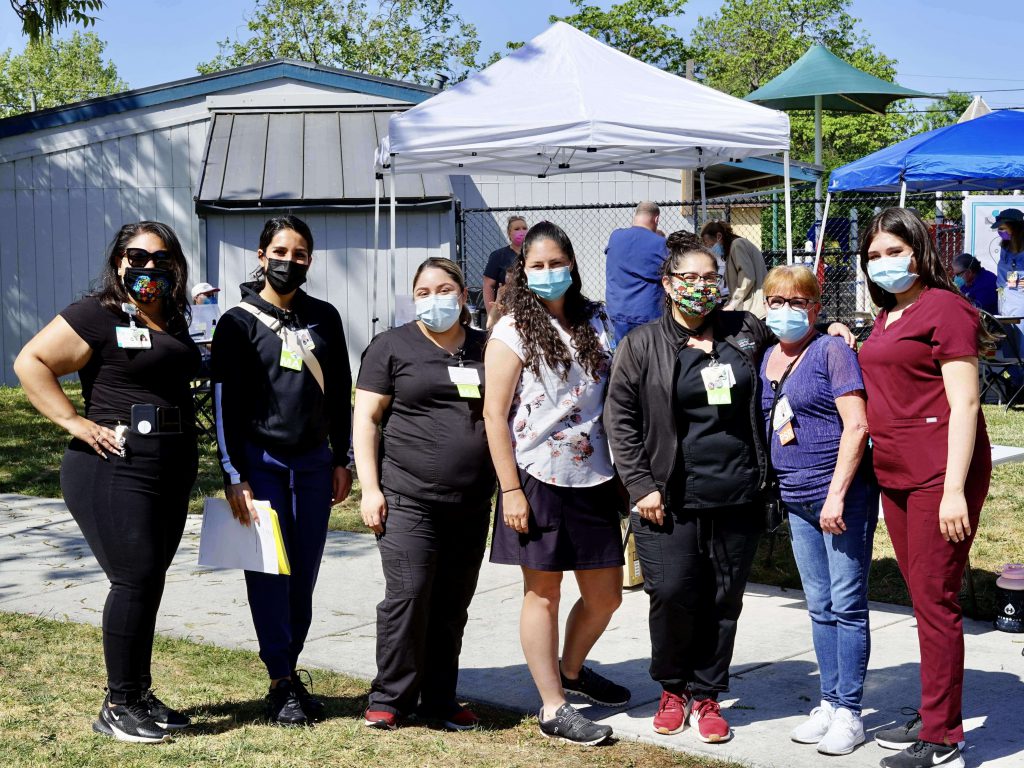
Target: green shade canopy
{"x": 841, "y": 86}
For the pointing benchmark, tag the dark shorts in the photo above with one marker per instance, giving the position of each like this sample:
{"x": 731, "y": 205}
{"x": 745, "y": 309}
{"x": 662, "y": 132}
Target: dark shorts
{"x": 571, "y": 529}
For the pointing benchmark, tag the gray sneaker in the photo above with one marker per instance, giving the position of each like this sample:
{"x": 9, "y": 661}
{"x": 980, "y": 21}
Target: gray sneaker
{"x": 569, "y": 725}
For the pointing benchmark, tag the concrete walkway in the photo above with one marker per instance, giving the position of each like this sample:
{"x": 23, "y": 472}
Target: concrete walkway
{"x": 46, "y": 569}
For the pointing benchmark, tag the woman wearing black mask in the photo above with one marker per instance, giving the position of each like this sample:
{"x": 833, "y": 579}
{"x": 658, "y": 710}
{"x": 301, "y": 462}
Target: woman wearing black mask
{"x": 127, "y": 474}
{"x": 282, "y": 391}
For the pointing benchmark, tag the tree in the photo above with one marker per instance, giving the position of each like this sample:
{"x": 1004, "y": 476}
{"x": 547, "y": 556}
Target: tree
{"x": 945, "y": 111}
{"x": 748, "y": 42}
{"x": 53, "y": 72}
{"x": 633, "y": 27}
{"x": 405, "y": 39}
{"x": 42, "y": 18}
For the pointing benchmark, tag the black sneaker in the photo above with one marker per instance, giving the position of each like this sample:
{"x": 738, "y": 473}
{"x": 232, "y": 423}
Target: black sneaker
{"x": 903, "y": 736}
{"x": 925, "y": 754}
{"x": 129, "y": 722}
{"x": 283, "y": 705}
{"x": 167, "y": 718}
{"x": 311, "y": 705}
{"x": 595, "y": 688}
{"x": 569, "y": 725}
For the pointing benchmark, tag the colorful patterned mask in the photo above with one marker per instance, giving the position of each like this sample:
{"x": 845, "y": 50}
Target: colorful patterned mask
{"x": 148, "y": 285}
{"x": 695, "y": 300}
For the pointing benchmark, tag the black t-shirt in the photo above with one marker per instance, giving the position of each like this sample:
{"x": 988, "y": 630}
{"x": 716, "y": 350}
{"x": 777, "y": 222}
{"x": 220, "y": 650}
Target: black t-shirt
{"x": 433, "y": 445}
{"x": 115, "y": 379}
{"x": 498, "y": 263}
{"x": 718, "y": 466}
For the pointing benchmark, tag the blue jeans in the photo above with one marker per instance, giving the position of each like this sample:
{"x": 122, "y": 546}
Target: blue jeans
{"x": 834, "y": 572}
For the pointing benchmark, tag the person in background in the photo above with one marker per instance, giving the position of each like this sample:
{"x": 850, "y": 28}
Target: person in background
{"x": 813, "y": 392}
{"x": 634, "y": 256}
{"x": 427, "y": 483}
{"x": 282, "y": 393}
{"x": 745, "y": 268}
{"x": 547, "y": 367}
{"x": 976, "y": 283}
{"x": 686, "y": 434}
{"x": 932, "y": 459}
{"x": 500, "y": 260}
{"x": 128, "y": 472}
{"x": 1009, "y": 225}
{"x": 204, "y": 293}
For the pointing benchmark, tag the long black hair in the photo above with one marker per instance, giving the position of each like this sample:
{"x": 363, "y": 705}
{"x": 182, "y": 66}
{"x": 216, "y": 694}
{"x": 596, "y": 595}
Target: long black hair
{"x": 541, "y": 341}
{"x": 111, "y": 291}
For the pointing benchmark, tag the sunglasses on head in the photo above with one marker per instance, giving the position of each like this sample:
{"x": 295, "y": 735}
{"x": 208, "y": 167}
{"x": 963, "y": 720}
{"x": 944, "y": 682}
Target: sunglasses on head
{"x": 140, "y": 257}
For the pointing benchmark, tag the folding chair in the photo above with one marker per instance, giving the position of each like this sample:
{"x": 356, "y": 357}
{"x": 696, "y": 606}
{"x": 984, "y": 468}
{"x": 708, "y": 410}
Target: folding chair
{"x": 995, "y": 368}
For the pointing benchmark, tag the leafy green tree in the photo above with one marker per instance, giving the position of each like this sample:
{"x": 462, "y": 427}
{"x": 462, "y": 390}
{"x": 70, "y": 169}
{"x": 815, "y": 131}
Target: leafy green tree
{"x": 42, "y": 18}
{"x": 748, "y": 42}
{"x": 945, "y": 111}
{"x": 404, "y": 39}
{"x": 634, "y": 27}
{"x": 52, "y": 72}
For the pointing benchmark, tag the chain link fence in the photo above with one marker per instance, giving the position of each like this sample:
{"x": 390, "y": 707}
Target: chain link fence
{"x": 760, "y": 218}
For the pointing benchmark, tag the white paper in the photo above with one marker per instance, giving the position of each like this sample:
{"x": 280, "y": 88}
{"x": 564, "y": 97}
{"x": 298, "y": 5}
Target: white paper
{"x": 226, "y": 543}
{"x": 464, "y": 375}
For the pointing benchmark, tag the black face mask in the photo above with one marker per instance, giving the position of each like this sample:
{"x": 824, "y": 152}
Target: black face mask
{"x": 147, "y": 286}
{"x": 285, "y": 276}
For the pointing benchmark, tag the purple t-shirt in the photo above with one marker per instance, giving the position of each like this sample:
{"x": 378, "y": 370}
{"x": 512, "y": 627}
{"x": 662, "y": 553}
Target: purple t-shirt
{"x": 805, "y": 466}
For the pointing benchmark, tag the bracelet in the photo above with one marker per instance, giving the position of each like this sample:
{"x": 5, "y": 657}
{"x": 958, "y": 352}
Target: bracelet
{"x": 517, "y": 488}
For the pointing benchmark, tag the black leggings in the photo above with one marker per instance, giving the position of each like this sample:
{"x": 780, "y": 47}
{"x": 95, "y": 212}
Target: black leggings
{"x": 132, "y": 513}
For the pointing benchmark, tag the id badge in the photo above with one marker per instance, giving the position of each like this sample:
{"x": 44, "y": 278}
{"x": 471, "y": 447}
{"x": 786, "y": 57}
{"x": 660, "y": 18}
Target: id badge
{"x": 783, "y": 413}
{"x": 305, "y": 339}
{"x": 717, "y": 383}
{"x": 133, "y": 337}
{"x": 467, "y": 380}
{"x": 290, "y": 359}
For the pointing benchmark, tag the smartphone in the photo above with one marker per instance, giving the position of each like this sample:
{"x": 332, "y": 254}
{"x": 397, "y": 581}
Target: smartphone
{"x": 144, "y": 418}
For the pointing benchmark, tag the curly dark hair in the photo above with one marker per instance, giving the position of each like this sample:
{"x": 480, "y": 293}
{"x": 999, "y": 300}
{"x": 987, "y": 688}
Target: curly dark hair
{"x": 111, "y": 291}
{"x": 541, "y": 342}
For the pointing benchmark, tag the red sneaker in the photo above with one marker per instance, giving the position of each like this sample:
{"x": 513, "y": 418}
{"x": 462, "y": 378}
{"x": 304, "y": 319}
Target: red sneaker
{"x": 375, "y": 718}
{"x": 671, "y": 716}
{"x": 712, "y": 728}
{"x": 463, "y": 720}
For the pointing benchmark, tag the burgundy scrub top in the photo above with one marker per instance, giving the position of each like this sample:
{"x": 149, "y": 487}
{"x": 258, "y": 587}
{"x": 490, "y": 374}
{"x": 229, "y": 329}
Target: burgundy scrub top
{"x": 908, "y": 414}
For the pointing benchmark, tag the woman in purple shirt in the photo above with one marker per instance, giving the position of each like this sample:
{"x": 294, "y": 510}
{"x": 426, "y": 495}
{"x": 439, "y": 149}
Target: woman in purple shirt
{"x": 814, "y": 408}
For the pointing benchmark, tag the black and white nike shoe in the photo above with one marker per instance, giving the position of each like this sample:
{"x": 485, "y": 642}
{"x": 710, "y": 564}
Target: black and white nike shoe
{"x": 167, "y": 718}
{"x": 129, "y": 722}
{"x": 925, "y": 754}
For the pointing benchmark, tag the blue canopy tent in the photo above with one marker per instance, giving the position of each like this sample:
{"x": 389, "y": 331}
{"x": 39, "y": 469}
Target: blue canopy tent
{"x": 986, "y": 153}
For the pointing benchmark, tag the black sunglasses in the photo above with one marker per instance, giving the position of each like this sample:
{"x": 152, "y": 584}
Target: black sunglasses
{"x": 140, "y": 257}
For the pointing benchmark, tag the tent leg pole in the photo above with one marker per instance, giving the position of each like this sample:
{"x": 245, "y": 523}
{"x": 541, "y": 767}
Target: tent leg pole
{"x": 376, "y": 250}
{"x": 391, "y": 242}
{"x": 817, "y": 156}
{"x": 703, "y": 201}
{"x": 789, "y": 208}
{"x": 821, "y": 233}
{"x": 903, "y": 194}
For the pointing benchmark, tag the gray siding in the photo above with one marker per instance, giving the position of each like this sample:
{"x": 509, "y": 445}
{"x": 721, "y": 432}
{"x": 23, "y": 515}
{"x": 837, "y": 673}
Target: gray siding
{"x": 59, "y": 211}
{"x": 342, "y": 269}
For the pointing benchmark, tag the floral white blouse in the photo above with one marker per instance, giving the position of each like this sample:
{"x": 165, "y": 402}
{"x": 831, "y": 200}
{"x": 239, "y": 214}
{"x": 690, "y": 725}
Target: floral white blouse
{"x": 556, "y": 424}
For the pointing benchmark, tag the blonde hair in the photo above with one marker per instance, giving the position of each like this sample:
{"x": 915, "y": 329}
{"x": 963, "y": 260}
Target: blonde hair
{"x": 787, "y": 278}
{"x": 512, "y": 220}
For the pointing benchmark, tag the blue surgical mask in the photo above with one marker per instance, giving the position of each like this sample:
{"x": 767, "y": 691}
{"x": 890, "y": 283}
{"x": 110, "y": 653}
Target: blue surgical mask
{"x": 959, "y": 282}
{"x": 892, "y": 273}
{"x": 438, "y": 313}
{"x": 787, "y": 323}
{"x": 718, "y": 250}
{"x": 549, "y": 284}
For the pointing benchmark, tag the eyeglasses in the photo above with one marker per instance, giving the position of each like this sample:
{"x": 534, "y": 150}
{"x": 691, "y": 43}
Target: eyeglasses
{"x": 796, "y": 302}
{"x": 140, "y": 257}
{"x": 692, "y": 278}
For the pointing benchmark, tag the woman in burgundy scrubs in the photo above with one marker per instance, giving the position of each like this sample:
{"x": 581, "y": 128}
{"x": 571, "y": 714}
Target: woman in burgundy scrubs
{"x": 932, "y": 458}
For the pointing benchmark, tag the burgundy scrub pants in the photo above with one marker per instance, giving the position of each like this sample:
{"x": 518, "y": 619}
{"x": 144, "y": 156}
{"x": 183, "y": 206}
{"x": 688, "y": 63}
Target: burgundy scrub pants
{"x": 933, "y": 569}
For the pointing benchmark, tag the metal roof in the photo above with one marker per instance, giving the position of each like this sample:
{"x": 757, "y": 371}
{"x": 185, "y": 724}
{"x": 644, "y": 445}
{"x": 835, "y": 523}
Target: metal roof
{"x": 203, "y": 85}
{"x": 309, "y": 158}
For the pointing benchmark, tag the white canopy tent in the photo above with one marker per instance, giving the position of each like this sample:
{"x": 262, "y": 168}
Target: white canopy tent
{"x": 567, "y": 103}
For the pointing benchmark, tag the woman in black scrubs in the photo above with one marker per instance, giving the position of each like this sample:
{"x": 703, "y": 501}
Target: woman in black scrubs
{"x": 128, "y": 472}
{"x": 427, "y": 483}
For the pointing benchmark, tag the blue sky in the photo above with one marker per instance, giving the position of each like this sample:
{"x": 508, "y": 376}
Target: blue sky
{"x": 940, "y": 44}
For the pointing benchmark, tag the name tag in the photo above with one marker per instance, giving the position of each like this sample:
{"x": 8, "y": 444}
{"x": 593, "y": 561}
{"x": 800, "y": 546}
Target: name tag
{"x": 783, "y": 413}
{"x": 464, "y": 375}
{"x": 290, "y": 359}
{"x": 133, "y": 338}
{"x": 718, "y": 381}
{"x": 305, "y": 339}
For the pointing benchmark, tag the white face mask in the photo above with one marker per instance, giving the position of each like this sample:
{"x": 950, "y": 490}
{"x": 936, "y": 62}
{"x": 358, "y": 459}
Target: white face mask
{"x": 892, "y": 273}
{"x": 438, "y": 313}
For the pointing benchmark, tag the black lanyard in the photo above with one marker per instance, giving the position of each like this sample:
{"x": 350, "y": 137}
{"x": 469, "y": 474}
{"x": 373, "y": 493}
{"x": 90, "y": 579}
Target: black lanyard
{"x": 778, "y": 386}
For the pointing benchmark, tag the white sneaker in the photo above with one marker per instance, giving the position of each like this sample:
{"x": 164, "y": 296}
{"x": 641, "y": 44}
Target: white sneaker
{"x": 845, "y": 733}
{"x": 811, "y": 730}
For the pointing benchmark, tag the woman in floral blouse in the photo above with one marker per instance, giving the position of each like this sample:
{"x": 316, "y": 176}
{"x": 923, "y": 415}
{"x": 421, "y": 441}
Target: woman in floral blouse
{"x": 547, "y": 369}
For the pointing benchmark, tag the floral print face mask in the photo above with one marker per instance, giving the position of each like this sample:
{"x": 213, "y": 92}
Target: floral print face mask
{"x": 148, "y": 285}
{"x": 695, "y": 300}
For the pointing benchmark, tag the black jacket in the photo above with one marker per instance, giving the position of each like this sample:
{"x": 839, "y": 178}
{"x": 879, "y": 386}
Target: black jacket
{"x": 260, "y": 402}
{"x": 638, "y": 415}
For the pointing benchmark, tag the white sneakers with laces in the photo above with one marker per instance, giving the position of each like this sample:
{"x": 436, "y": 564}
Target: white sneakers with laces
{"x": 813, "y": 729}
{"x": 844, "y": 734}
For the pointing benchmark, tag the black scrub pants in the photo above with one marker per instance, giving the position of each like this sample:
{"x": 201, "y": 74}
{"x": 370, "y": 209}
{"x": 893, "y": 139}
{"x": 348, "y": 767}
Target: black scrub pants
{"x": 696, "y": 566}
{"x": 431, "y": 554}
{"x": 132, "y": 514}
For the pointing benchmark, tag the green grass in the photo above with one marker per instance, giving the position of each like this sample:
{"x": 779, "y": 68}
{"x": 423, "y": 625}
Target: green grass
{"x": 51, "y": 686}
{"x": 31, "y": 448}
